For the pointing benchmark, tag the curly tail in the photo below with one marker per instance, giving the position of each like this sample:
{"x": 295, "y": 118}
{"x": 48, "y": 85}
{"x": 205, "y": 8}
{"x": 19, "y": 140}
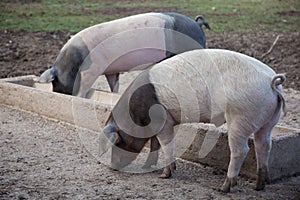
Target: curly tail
{"x": 278, "y": 79}
{"x": 202, "y": 21}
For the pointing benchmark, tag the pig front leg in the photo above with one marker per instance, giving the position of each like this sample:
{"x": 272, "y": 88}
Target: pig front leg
{"x": 85, "y": 79}
{"x": 113, "y": 82}
{"x": 166, "y": 140}
{"x": 153, "y": 155}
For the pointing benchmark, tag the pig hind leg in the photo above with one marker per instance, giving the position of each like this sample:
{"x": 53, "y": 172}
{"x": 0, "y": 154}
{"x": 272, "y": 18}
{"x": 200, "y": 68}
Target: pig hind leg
{"x": 263, "y": 143}
{"x": 113, "y": 81}
{"x": 238, "y": 134}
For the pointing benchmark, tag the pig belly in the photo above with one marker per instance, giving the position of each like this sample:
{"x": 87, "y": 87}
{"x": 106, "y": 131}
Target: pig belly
{"x": 136, "y": 60}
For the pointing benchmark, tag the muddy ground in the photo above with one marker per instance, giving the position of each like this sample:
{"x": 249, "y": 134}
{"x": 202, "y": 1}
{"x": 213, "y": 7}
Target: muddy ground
{"x": 44, "y": 159}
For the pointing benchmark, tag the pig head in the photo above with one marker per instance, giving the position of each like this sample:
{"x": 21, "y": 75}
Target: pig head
{"x": 125, "y": 148}
{"x": 64, "y": 71}
{"x": 127, "y": 130}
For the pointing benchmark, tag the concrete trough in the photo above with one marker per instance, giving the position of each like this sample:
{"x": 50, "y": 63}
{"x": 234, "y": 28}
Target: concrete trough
{"x": 207, "y": 145}
{"x": 284, "y": 157}
{"x": 23, "y": 93}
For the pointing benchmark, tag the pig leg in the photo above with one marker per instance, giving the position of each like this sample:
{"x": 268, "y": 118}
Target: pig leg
{"x": 85, "y": 79}
{"x": 263, "y": 144}
{"x": 153, "y": 155}
{"x": 166, "y": 140}
{"x": 238, "y": 143}
{"x": 262, "y": 141}
{"x": 113, "y": 82}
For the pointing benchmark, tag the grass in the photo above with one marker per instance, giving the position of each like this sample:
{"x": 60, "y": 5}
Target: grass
{"x": 223, "y": 16}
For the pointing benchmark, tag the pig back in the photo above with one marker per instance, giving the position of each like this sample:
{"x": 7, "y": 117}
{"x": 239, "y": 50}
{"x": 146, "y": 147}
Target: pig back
{"x": 200, "y": 85}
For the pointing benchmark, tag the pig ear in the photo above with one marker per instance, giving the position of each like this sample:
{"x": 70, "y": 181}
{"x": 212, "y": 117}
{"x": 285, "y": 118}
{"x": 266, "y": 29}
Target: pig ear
{"x": 107, "y": 140}
{"x": 48, "y": 75}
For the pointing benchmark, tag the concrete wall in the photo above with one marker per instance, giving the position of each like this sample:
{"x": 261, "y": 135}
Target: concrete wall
{"x": 203, "y": 142}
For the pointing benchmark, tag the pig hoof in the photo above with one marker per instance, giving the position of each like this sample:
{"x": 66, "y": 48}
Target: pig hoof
{"x": 226, "y": 186}
{"x": 259, "y": 186}
{"x": 262, "y": 179}
{"x": 168, "y": 171}
{"x": 163, "y": 175}
{"x": 229, "y": 183}
{"x": 260, "y": 183}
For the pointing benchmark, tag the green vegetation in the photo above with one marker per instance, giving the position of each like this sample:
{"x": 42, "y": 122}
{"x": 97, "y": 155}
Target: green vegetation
{"x": 223, "y": 16}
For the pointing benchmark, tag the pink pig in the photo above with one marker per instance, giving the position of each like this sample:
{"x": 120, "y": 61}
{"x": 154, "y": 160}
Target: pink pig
{"x": 131, "y": 43}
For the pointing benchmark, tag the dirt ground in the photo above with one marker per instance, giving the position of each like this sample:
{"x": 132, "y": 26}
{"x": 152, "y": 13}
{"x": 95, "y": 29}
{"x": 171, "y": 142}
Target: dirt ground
{"x": 25, "y": 53}
{"x": 44, "y": 159}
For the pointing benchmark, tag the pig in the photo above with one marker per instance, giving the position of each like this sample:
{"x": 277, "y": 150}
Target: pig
{"x": 130, "y": 43}
{"x": 209, "y": 85}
